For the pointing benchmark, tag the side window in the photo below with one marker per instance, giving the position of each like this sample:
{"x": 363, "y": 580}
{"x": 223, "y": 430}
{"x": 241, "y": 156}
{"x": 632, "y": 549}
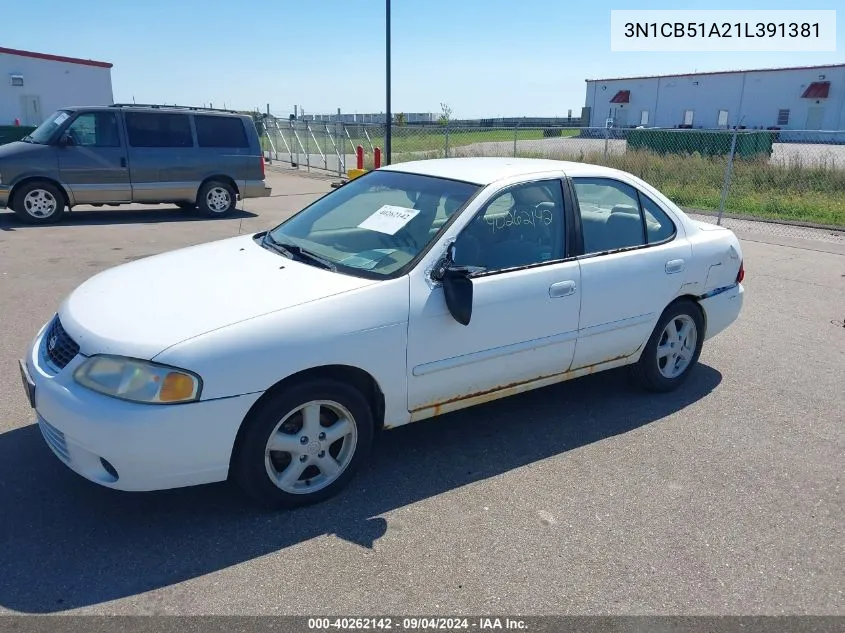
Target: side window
{"x": 659, "y": 226}
{"x": 158, "y": 129}
{"x": 610, "y": 214}
{"x": 94, "y": 129}
{"x": 220, "y": 131}
{"x": 522, "y": 226}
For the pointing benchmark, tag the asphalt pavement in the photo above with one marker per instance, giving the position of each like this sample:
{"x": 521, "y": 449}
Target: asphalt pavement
{"x": 589, "y": 497}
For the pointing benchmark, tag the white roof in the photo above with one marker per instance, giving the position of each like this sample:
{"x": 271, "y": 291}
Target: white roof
{"x": 483, "y": 171}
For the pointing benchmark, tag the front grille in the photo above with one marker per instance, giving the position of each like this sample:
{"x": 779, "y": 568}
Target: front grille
{"x": 55, "y": 438}
{"x": 60, "y": 347}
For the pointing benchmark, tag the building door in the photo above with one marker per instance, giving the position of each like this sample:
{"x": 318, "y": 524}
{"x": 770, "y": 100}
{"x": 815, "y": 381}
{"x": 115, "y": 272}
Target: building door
{"x": 815, "y": 115}
{"x": 31, "y": 110}
{"x": 621, "y": 117}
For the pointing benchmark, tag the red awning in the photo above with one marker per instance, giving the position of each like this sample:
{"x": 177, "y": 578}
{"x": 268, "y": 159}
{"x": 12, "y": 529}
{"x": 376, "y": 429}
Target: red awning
{"x": 817, "y": 90}
{"x": 623, "y": 96}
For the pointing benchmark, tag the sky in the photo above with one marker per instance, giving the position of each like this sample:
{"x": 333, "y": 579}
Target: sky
{"x": 484, "y": 58}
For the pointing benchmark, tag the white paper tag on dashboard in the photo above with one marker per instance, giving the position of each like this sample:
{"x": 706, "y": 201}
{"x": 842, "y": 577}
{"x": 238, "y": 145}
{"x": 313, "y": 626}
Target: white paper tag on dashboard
{"x": 389, "y": 219}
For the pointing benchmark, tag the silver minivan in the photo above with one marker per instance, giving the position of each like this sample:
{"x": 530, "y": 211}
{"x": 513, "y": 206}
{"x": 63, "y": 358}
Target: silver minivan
{"x": 194, "y": 158}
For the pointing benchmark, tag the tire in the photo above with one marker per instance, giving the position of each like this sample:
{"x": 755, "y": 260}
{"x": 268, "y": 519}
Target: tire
{"x": 666, "y": 363}
{"x": 301, "y": 476}
{"x": 39, "y": 202}
{"x": 216, "y": 199}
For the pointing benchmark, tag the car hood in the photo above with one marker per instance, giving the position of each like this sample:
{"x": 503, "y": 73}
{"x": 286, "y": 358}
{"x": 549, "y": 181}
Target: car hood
{"x": 19, "y": 148}
{"x": 142, "y": 308}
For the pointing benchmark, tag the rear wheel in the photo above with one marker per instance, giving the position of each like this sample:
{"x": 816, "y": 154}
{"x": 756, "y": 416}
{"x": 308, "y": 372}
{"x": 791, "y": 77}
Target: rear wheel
{"x": 39, "y": 202}
{"x": 673, "y": 348}
{"x": 304, "y": 444}
{"x": 216, "y": 198}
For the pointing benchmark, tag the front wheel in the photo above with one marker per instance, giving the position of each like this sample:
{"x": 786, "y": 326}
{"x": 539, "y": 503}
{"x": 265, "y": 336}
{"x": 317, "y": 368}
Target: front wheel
{"x": 216, "y": 198}
{"x": 673, "y": 349}
{"x": 39, "y": 203}
{"x": 304, "y": 444}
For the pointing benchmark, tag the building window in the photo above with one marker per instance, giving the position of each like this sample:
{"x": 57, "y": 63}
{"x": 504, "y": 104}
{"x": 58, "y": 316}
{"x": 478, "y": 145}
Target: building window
{"x": 688, "y": 117}
{"x": 783, "y": 117}
{"x": 723, "y": 118}
{"x": 644, "y": 117}
{"x": 16, "y": 80}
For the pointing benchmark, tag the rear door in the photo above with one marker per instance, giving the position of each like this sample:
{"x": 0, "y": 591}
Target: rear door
{"x": 634, "y": 263}
{"x": 92, "y": 159}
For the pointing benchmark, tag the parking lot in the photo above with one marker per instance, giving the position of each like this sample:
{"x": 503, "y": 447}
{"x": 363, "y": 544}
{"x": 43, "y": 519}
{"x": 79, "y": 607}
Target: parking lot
{"x": 590, "y": 497}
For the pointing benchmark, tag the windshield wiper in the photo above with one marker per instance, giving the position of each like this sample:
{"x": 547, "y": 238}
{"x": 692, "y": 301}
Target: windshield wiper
{"x": 27, "y": 139}
{"x": 292, "y": 251}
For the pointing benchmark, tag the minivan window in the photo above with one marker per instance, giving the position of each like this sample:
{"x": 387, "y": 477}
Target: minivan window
{"x": 44, "y": 132}
{"x": 158, "y": 129}
{"x": 94, "y": 129}
{"x": 220, "y": 131}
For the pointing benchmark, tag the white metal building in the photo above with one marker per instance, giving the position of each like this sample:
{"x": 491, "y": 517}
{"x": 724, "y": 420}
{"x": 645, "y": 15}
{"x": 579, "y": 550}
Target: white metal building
{"x": 801, "y": 98}
{"x": 34, "y": 85}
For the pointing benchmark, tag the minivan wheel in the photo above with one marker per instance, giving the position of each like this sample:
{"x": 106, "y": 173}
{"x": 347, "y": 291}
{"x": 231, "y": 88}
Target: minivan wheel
{"x": 216, "y": 198}
{"x": 303, "y": 444}
{"x": 673, "y": 348}
{"x": 39, "y": 203}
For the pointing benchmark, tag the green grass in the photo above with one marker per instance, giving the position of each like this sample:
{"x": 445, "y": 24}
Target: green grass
{"x": 795, "y": 192}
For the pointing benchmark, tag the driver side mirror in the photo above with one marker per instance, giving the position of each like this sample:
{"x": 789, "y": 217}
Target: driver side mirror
{"x": 66, "y": 140}
{"x": 457, "y": 285}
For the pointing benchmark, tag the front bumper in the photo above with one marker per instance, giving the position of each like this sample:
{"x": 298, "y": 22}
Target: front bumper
{"x": 130, "y": 446}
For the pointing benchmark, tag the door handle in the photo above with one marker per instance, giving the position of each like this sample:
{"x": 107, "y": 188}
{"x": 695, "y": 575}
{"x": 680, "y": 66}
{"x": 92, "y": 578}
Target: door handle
{"x": 562, "y": 289}
{"x": 674, "y": 266}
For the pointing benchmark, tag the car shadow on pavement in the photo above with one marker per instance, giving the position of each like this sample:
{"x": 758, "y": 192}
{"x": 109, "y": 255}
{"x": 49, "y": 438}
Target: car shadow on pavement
{"x": 68, "y": 543}
{"x": 94, "y": 217}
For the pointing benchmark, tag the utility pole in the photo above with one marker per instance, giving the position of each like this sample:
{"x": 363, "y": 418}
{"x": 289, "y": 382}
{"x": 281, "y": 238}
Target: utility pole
{"x": 389, "y": 117}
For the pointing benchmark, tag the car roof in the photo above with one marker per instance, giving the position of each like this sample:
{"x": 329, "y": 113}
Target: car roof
{"x": 154, "y": 108}
{"x": 486, "y": 170}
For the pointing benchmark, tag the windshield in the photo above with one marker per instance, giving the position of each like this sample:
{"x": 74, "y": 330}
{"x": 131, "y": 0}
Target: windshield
{"x": 377, "y": 223}
{"x": 45, "y": 131}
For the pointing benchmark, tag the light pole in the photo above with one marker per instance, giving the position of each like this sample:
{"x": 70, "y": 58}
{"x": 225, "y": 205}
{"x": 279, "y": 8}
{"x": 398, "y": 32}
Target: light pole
{"x": 389, "y": 118}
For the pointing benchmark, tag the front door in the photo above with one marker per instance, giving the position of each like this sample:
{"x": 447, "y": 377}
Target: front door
{"x": 93, "y": 161}
{"x": 634, "y": 264}
{"x": 815, "y": 116}
{"x": 31, "y": 110}
{"x": 525, "y": 306}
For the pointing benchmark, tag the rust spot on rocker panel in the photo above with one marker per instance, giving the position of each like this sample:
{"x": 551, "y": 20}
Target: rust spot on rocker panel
{"x": 437, "y": 407}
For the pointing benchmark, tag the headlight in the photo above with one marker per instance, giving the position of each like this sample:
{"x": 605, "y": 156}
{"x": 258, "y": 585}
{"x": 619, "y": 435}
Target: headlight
{"x": 138, "y": 380}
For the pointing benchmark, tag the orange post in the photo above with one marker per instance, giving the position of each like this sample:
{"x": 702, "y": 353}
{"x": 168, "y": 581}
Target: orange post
{"x": 377, "y": 157}
{"x": 359, "y": 152}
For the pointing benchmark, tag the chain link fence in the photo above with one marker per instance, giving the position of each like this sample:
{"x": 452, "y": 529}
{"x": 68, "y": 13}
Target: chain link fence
{"x": 796, "y": 176}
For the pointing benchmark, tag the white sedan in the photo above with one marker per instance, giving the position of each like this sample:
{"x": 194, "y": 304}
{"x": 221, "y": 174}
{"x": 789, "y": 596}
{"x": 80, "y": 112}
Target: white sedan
{"x": 413, "y": 290}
